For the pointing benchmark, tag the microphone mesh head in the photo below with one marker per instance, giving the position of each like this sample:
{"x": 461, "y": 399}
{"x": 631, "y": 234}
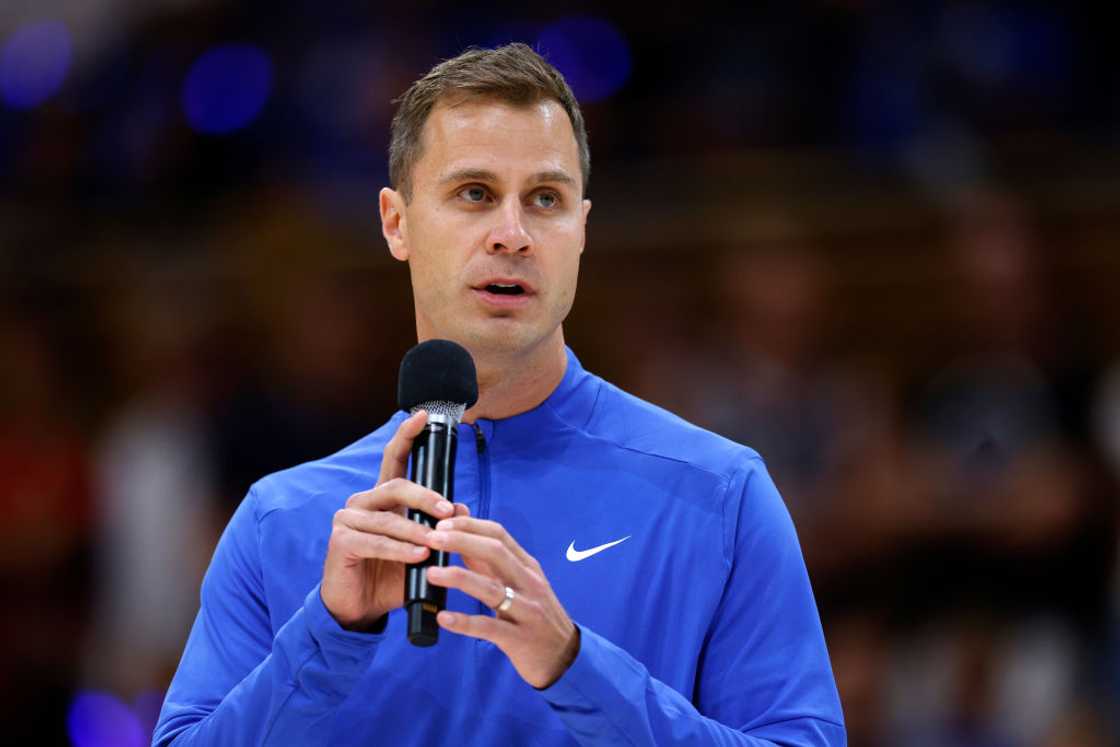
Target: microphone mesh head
{"x": 441, "y": 407}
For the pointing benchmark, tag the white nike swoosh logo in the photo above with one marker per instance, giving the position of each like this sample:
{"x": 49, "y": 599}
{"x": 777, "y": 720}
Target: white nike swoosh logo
{"x": 575, "y": 555}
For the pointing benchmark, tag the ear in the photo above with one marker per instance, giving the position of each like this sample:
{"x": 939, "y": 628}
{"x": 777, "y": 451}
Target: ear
{"x": 586, "y": 210}
{"x": 394, "y": 225}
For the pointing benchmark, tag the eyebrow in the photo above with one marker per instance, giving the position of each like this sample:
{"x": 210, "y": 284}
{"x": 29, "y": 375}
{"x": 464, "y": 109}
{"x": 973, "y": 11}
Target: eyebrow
{"x": 484, "y": 175}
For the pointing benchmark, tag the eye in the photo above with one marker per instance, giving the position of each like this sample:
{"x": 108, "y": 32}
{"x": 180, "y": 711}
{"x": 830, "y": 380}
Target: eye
{"x": 546, "y": 200}
{"x": 473, "y": 193}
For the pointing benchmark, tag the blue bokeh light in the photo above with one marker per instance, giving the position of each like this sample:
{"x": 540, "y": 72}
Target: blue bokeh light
{"x": 226, "y": 88}
{"x": 146, "y": 708}
{"x": 98, "y": 719}
{"x": 591, "y": 53}
{"x": 34, "y": 63}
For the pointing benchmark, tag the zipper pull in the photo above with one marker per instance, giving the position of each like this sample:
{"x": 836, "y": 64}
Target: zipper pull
{"x": 479, "y": 439}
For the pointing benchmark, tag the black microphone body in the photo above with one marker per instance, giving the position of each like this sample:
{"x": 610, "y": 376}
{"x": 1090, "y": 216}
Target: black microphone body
{"x": 437, "y": 376}
{"x": 433, "y": 467}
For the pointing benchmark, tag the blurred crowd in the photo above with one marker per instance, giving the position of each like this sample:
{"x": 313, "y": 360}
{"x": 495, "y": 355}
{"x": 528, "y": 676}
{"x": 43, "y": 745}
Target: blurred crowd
{"x": 928, "y": 362}
{"x": 959, "y": 523}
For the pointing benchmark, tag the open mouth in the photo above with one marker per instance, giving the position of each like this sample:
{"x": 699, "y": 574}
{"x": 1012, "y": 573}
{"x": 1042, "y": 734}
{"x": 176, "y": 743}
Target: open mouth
{"x": 502, "y": 289}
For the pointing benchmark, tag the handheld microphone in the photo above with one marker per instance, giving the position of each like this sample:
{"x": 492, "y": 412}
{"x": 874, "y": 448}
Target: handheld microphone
{"x": 438, "y": 376}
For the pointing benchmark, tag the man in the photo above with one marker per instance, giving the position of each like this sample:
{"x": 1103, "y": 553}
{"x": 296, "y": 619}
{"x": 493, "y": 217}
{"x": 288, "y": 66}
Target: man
{"x": 647, "y": 580}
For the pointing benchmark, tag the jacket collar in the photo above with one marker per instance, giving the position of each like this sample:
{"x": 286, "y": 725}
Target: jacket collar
{"x": 569, "y": 405}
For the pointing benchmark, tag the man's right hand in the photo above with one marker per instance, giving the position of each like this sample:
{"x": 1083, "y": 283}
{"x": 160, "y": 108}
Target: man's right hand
{"x": 372, "y": 539}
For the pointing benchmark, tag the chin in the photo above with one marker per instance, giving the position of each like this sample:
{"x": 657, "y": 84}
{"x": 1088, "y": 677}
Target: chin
{"x": 505, "y": 337}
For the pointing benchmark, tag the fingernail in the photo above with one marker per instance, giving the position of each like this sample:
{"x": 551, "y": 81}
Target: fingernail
{"x": 418, "y": 551}
{"x": 447, "y": 618}
{"x": 446, "y": 524}
{"x": 444, "y": 507}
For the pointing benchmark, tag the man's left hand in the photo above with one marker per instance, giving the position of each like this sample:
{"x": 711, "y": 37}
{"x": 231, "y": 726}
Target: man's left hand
{"x": 536, "y": 633}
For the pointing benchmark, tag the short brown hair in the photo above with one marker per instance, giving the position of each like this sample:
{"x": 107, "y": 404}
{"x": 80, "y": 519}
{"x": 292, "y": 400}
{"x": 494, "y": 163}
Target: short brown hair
{"x": 513, "y": 74}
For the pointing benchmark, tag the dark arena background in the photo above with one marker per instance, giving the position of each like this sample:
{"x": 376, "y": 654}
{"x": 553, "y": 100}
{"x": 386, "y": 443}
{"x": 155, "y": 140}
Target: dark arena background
{"x": 878, "y": 242}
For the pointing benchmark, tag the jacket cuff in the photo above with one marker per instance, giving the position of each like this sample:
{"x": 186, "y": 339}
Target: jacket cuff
{"x": 595, "y": 679}
{"x": 341, "y": 648}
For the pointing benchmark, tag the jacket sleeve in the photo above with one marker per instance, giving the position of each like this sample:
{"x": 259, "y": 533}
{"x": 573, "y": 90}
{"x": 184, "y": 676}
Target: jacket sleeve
{"x": 236, "y": 683}
{"x": 764, "y": 676}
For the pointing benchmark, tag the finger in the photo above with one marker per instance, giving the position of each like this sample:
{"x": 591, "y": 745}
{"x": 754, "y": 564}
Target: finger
{"x": 357, "y": 544}
{"x": 462, "y": 510}
{"x": 475, "y": 547}
{"x": 400, "y": 492}
{"x": 487, "y": 628}
{"x": 485, "y": 589}
{"x": 394, "y": 461}
{"x": 488, "y": 528}
{"x": 383, "y": 523}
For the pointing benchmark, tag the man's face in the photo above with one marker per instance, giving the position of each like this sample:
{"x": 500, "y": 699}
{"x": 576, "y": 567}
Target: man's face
{"x": 495, "y": 227}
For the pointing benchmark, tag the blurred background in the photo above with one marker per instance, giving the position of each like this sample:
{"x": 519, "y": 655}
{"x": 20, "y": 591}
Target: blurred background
{"x": 879, "y": 244}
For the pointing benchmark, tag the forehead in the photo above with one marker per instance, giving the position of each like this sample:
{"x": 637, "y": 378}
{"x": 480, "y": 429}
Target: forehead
{"x": 499, "y": 137}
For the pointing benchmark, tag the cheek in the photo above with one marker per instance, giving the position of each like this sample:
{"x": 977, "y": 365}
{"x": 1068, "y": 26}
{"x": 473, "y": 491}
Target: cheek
{"x": 445, "y": 242}
{"x": 571, "y": 277}
{"x": 448, "y": 226}
{"x": 564, "y": 271}
{"x": 567, "y": 264}
{"x": 432, "y": 281}
{"x": 429, "y": 253}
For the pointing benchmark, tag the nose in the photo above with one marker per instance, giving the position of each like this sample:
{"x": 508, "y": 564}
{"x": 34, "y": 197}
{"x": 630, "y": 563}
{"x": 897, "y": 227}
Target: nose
{"x": 509, "y": 233}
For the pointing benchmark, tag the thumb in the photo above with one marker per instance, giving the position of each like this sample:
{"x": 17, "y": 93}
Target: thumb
{"x": 394, "y": 462}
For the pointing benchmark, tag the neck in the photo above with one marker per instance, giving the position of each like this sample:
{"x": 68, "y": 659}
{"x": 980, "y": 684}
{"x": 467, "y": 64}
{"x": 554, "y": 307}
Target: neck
{"x": 512, "y": 383}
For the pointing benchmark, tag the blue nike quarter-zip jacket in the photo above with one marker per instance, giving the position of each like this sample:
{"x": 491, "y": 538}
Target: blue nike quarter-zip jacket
{"x": 698, "y": 628}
